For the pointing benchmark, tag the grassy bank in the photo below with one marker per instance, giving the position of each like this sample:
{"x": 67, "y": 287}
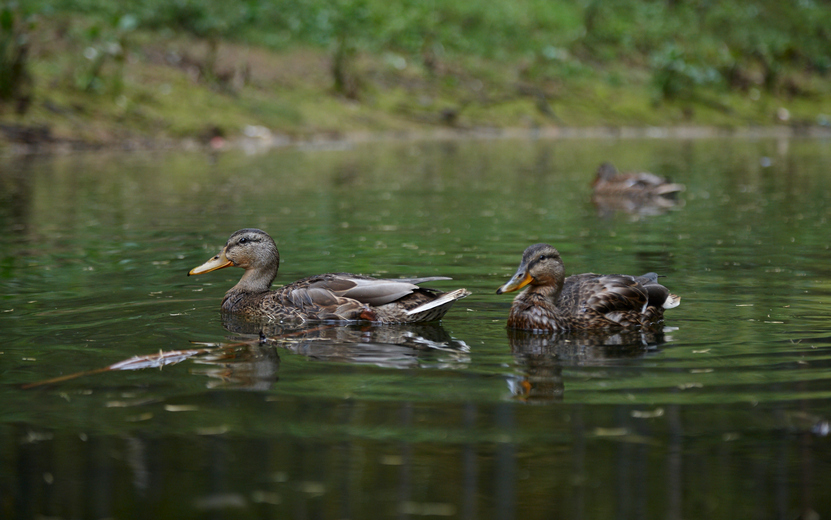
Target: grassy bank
{"x": 95, "y": 71}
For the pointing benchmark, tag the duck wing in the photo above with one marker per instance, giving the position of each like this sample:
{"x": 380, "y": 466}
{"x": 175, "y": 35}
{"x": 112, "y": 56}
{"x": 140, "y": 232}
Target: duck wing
{"x": 644, "y": 183}
{"x": 603, "y": 294}
{"x": 327, "y": 289}
{"x": 368, "y": 290}
{"x": 649, "y": 182}
{"x": 645, "y": 180}
{"x": 345, "y": 296}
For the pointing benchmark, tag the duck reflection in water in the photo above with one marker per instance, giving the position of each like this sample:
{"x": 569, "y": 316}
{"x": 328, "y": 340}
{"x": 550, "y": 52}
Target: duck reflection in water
{"x": 640, "y": 194}
{"x": 250, "y": 360}
{"x": 254, "y": 366}
{"x": 244, "y": 365}
{"x": 543, "y": 356}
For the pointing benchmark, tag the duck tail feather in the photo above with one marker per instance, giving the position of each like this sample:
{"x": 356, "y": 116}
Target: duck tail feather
{"x": 672, "y": 301}
{"x": 444, "y": 299}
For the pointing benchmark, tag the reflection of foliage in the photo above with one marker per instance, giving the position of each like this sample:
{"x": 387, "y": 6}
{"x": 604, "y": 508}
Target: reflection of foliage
{"x": 15, "y": 81}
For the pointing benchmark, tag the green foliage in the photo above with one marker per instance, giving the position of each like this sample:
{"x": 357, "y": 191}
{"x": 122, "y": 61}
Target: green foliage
{"x": 763, "y": 31}
{"x": 15, "y": 80}
{"x": 105, "y": 46}
{"x": 493, "y": 59}
{"x": 677, "y": 75}
{"x": 191, "y": 16}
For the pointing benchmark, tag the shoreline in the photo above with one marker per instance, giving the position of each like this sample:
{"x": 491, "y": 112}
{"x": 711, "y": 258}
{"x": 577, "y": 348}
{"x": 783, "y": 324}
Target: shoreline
{"x": 261, "y": 139}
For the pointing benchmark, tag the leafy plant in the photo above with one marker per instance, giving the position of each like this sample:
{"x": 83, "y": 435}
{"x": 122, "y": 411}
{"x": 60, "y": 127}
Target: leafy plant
{"x": 677, "y": 76}
{"x": 349, "y": 21}
{"x": 15, "y": 80}
{"x": 106, "y": 43}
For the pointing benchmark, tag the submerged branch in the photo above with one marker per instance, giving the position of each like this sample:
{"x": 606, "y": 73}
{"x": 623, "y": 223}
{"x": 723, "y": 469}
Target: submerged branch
{"x": 134, "y": 363}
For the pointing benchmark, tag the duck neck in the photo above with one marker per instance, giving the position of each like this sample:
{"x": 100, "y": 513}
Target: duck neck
{"x": 252, "y": 283}
{"x": 547, "y": 292}
{"x": 255, "y": 281}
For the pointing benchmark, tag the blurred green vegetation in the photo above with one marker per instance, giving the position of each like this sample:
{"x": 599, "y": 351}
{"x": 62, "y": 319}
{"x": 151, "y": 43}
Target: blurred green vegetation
{"x": 306, "y": 66}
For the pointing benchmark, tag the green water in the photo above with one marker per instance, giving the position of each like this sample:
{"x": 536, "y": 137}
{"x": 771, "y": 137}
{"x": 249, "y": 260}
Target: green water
{"x": 723, "y": 415}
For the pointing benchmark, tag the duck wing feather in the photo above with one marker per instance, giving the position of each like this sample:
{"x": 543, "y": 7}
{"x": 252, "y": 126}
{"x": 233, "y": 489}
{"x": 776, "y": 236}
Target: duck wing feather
{"x": 324, "y": 289}
{"x": 602, "y": 294}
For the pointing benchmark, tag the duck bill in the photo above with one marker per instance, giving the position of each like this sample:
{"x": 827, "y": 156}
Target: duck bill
{"x": 518, "y": 281}
{"x": 218, "y": 262}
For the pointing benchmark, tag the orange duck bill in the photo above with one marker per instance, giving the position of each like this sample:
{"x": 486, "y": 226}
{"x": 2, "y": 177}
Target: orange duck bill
{"x": 518, "y": 281}
{"x": 218, "y": 262}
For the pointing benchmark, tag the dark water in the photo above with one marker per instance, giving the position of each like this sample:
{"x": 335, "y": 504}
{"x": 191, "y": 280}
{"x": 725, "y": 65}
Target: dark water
{"x": 723, "y": 415}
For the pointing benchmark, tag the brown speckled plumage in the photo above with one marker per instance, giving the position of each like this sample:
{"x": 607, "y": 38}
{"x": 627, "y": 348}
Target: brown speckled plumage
{"x": 609, "y": 182}
{"x": 331, "y": 296}
{"x": 551, "y": 302}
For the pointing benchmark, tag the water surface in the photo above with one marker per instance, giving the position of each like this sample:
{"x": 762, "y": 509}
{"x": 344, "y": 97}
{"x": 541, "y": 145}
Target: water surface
{"x": 722, "y": 415}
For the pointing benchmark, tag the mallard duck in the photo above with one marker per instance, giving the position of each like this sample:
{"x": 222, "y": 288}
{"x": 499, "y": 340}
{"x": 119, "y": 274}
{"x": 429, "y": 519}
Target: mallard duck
{"x": 610, "y": 182}
{"x": 331, "y": 296}
{"x": 552, "y": 302}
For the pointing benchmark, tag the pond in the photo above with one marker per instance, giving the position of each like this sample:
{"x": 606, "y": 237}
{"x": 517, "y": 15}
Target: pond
{"x": 723, "y": 414}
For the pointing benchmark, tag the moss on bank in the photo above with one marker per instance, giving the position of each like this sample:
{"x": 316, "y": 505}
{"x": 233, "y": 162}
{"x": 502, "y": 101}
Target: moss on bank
{"x": 137, "y": 76}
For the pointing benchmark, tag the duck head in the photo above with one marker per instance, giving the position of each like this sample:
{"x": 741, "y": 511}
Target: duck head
{"x": 251, "y": 249}
{"x": 541, "y": 266}
{"x": 605, "y": 172}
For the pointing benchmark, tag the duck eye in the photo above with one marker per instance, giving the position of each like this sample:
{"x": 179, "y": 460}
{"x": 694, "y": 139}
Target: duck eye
{"x": 543, "y": 258}
{"x": 243, "y": 240}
